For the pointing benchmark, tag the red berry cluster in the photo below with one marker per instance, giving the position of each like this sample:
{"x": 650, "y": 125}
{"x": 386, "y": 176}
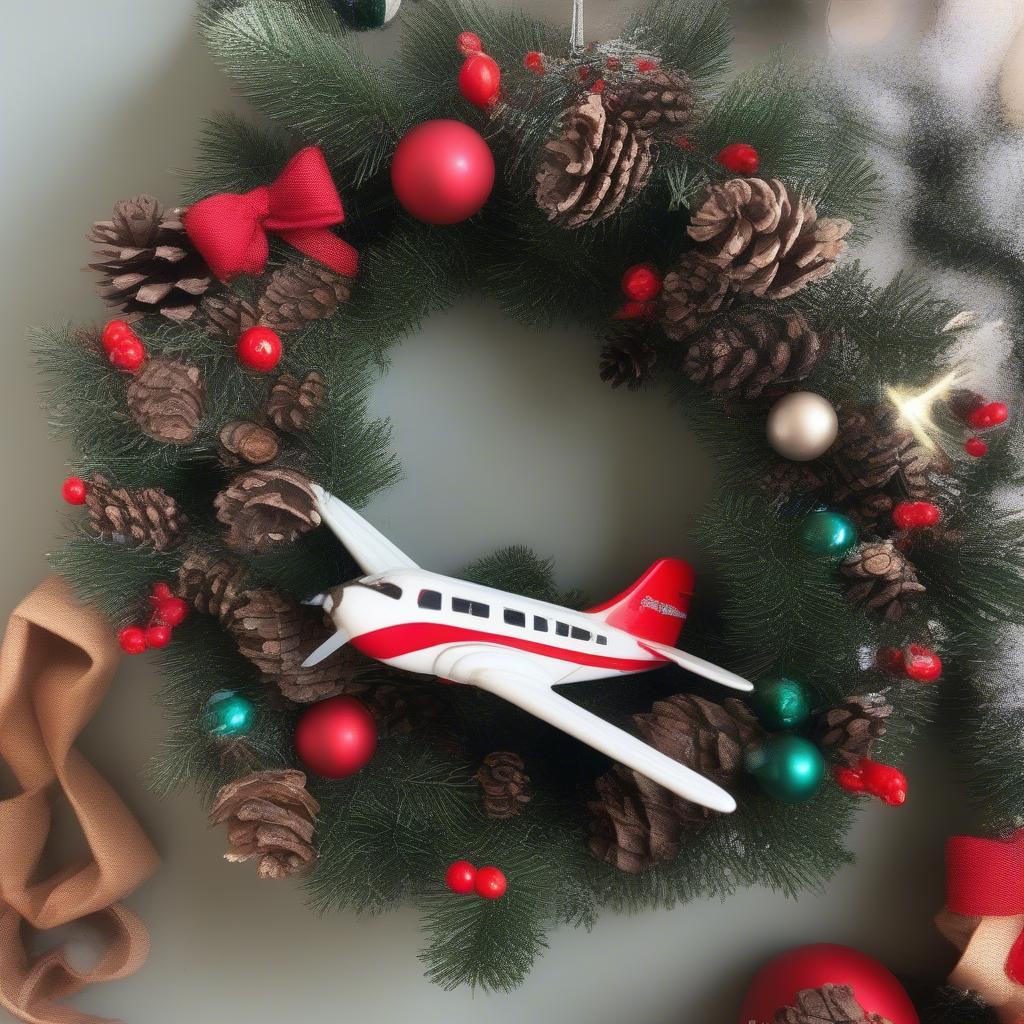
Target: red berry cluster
{"x": 480, "y": 76}
{"x": 641, "y": 284}
{"x": 168, "y": 611}
{"x": 487, "y": 882}
{"x": 122, "y": 345}
{"x": 873, "y": 779}
{"x": 978, "y": 414}
{"x": 914, "y": 661}
{"x": 914, "y": 515}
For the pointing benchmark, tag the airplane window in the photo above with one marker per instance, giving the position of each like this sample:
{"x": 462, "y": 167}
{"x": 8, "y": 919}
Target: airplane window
{"x": 514, "y": 618}
{"x": 391, "y": 590}
{"x": 460, "y": 604}
{"x": 429, "y": 599}
{"x": 603, "y": 640}
{"x": 561, "y": 629}
{"x": 540, "y": 624}
{"x": 580, "y": 634}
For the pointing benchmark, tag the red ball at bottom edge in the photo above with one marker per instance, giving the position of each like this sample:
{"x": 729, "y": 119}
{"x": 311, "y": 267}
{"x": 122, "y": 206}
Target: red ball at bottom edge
{"x": 259, "y": 349}
{"x": 460, "y": 876}
{"x": 975, "y": 447}
{"x": 336, "y": 737}
{"x": 491, "y": 883}
{"x": 132, "y": 639}
{"x": 74, "y": 490}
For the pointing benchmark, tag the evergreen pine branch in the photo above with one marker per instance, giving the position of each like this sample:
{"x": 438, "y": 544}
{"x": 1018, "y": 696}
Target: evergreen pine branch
{"x": 694, "y": 36}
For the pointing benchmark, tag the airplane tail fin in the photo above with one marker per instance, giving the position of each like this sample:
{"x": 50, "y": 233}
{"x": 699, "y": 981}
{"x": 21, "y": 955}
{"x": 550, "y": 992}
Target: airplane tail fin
{"x": 655, "y": 607}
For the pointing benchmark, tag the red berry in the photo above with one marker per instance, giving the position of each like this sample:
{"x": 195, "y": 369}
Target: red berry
{"x": 171, "y": 611}
{"x": 534, "y": 62}
{"x": 599, "y": 86}
{"x": 910, "y": 514}
{"x": 460, "y": 876}
{"x": 115, "y": 333}
{"x": 684, "y": 142}
{"x": 634, "y": 311}
{"x": 73, "y": 490}
{"x": 989, "y": 415}
{"x": 157, "y": 635}
{"x": 480, "y": 80}
{"x": 645, "y": 64}
{"x": 613, "y": 63}
{"x": 890, "y": 659}
{"x": 976, "y": 447}
{"x": 469, "y": 43}
{"x": 641, "y": 283}
{"x": 739, "y": 158}
{"x": 922, "y": 664}
{"x": 491, "y": 883}
{"x": 128, "y": 355}
{"x": 162, "y": 590}
{"x": 132, "y": 640}
{"x": 259, "y": 349}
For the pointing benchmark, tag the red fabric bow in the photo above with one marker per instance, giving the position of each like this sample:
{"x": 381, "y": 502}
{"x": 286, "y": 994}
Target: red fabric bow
{"x": 230, "y": 230}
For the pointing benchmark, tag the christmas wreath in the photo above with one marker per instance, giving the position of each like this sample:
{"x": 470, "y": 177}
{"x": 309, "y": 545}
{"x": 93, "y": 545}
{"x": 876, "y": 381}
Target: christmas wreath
{"x": 698, "y": 224}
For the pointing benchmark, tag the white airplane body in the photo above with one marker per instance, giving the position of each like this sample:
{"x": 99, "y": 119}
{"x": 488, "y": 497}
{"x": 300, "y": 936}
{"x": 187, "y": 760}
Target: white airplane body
{"x": 515, "y": 647}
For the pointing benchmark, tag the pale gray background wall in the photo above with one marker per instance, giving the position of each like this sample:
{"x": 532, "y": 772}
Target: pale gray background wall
{"x": 503, "y": 439}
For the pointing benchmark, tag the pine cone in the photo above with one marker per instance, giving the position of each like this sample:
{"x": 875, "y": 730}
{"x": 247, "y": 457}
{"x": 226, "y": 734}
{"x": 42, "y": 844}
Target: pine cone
{"x": 145, "y": 518}
{"x": 301, "y": 292}
{"x": 783, "y": 480}
{"x": 293, "y": 404}
{"x": 852, "y": 728}
{"x": 226, "y": 315}
{"x": 638, "y": 823}
{"x": 628, "y": 358}
{"x": 213, "y": 586}
{"x": 693, "y": 291}
{"x": 753, "y": 354}
{"x": 264, "y": 508}
{"x": 504, "y": 782}
{"x": 166, "y": 400}
{"x": 882, "y": 579}
{"x": 767, "y": 244}
{"x": 242, "y": 441}
{"x": 659, "y": 102}
{"x": 146, "y": 261}
{"x": 592, "y": 167}
{"x": 270, "y": 815}
{"x": 399, "y": 709}
{"x": 830, "y": 1004}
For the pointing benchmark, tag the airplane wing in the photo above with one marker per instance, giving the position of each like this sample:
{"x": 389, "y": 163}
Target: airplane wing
{"x": 518, "y": 681}
{"x": 372, "y": 551}
{"x": 692, "y": 663}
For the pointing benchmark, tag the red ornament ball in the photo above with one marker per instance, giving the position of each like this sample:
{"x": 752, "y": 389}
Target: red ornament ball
{"x": 115, "y": 333}
{"x": 480, "y": 80}
{"x": 469, "y": 43}
{"x": 777, "y": 983}
{"x": 157, "y": 635}
{"x": 989, "y": 415}
{"x": 171, "y": 611}
{"x": 975, "y": 447}
{"x": 74, "y": 490}
{"x": 460, "y": 877}
{"x": 127, "y": 355}
{"x": 922, "y": 664}
{"x": 739, "y": 158}
{"x": 641, "y": 283}
{"x": 908, "y": 515}
{"x": 442, "y": 172}
{"x": 132, "y": 639}
{"x": 491, "y": 883}
{"x": 259, "y": 349}
{"x": 336, "y": 737}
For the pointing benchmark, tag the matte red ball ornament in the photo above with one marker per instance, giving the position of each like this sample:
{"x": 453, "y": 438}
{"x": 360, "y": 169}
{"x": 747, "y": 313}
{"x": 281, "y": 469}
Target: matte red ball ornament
{"x": 336, "y": 737}
{"x": 975, "y": 447}
{"x": 74, "y": 490}
{"x": 157, "y": 635}
{"x": 460, "y": 877}
{"x": 909, "y": 515}
{"x": 442, "y": 172}
{"x": 989, "y": 415}
{"x": 469, "y": 43}
{"x": 128, "y": 355}
{"x": 480, "y": 80}
{"x": 259, "y": 349}
{"x": 491, "y": 883}
{"x": 115, "y": 333}
{"x": 641, "y": 283}
{"x": 776, "y": 985}
{"x": 132, "y": 639}
{"x": 922, "y": 664}
{"x": 739, "y": 158}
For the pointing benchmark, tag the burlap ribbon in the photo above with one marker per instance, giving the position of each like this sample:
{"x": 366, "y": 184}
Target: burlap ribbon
{"x": 56, "y": 664}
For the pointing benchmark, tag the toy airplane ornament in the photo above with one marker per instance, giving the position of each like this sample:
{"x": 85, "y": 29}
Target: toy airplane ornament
{"x": 515, "y": 647}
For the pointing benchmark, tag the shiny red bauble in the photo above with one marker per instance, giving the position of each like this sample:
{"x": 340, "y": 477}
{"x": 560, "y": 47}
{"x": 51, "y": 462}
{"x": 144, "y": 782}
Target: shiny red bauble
{"x": 127, "y": 355}
{"x": 975, "y": 447}
{"x": 989, "y": 415}
{"x": 115, "y": 333}
{"x": 775, "y": 986}
{"x": 157, "y": 635}
{"x": 922, "y": 664}
{"x": 739, "y": 158}
{"x": 491, "y": 883}
{"x": 259, "y": 349}
{"x": 442, "y": 172}
{"x": 641, "y": 283}
{"x": 74, "y": 490}
{"x": 480, "y": 80}
{"x": 909, "y": 515}
{"x": 336, "y": 737}
{"x": 460, "y": 877}
{"x": 132, "y": 639}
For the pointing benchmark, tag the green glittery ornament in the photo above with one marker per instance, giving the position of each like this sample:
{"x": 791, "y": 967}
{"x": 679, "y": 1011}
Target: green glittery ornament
{"x": 788, "y": 768}
{"x": 828, "y": 533}
{"x": 781, "y": 703}
{"x": 229, "y": 714}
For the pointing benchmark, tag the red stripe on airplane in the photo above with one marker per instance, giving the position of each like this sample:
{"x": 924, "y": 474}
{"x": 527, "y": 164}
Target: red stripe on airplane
{"x": 394, "y": 641}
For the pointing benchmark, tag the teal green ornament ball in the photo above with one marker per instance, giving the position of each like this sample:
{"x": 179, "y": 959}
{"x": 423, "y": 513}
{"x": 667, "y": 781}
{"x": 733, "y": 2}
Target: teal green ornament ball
{"x": 788, "y": 768}
{"x": 828, "y": 533}
{"x": 363, "y": 14}
{"x": 781, "y": 703}
{"x": 229, "y": 714}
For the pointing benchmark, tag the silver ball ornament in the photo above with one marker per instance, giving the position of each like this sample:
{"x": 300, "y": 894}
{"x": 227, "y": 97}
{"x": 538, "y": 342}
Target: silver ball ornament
{"x": 802, "y": 426}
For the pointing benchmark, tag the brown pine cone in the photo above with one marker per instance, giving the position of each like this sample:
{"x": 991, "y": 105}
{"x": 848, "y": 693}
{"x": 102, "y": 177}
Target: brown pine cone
{"x": 753, "y": 354}
{"x": 265, "y": 508}
{"x": 659, "y": 102}
{"x": 637, "y": 823}
{"x": 293, "y": 404}
{"x": 592, "y": 166}
{"x": 165, "y": 399}
{"x": 503, "y": 779}
{"x": 881, "y": 578}
{"x": 226, "y": 315}
{"x": 693, "y": 291}
{"x": 768, "y": 244}
{"x": 270, "y": 815}
{"x": 783, "y": 480}
{"x": 147, "y": 263}
{"x": 213, "y": 586}
{"x": 405, "y": 707}
{"x": 851, "y": 729}
{"x": 301, "y": 292}
{"x": 830, "y": 1004}
{"x": 145, "y": 518}
{"x": 242, "y": 441}
{"x": 628, "y": 358}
